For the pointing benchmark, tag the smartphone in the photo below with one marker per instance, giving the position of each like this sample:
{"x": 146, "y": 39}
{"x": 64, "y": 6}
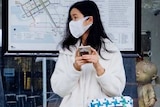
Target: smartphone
{"x": 83, "y": 50}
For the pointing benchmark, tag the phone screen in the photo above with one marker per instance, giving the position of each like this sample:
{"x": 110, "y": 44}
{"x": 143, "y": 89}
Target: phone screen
{"x": 83, "y": 50}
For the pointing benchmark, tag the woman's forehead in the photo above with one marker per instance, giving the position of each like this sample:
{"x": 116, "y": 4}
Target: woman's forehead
{"x": 75, "y": 11}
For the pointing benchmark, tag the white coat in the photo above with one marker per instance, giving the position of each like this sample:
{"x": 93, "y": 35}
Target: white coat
{"x": 78, "y": 88}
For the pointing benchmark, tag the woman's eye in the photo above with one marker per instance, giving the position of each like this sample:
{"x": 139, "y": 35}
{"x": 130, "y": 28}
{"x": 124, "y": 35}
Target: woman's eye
{"x": 75, "y": 18}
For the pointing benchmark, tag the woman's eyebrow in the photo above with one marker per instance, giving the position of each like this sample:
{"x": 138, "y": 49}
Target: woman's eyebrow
{"x": 74, "y": 14}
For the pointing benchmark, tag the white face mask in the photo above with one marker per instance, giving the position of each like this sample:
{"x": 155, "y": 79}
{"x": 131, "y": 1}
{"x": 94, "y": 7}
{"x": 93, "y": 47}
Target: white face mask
{"x": 77, "y": 28}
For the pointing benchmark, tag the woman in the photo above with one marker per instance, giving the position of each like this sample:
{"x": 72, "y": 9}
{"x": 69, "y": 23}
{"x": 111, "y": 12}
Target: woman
{"x": 78, "y": 79}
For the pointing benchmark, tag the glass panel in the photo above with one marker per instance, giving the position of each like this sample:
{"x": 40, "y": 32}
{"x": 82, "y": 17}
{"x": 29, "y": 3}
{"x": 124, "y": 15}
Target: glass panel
{"x": 22, "y": 76}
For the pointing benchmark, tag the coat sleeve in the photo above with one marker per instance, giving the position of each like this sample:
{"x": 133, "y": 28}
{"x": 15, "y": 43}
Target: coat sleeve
{"x": 113, "y": 80}
{"x": 64, "y": 78}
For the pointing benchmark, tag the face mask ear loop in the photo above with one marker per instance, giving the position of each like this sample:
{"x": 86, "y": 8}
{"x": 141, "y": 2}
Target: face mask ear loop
{"x": 87, "y": 17}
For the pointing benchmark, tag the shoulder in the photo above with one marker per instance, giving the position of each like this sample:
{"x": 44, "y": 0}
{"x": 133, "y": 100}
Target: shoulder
{"x": 109, "y": 50}
{"x": 110, "y": 46}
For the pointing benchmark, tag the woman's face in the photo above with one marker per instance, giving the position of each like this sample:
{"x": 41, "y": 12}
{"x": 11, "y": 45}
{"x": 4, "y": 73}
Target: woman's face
{"x": 76, "y": 14}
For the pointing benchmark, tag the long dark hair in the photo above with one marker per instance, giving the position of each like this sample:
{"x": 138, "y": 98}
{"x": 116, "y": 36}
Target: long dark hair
{"x": 97, "y": 32}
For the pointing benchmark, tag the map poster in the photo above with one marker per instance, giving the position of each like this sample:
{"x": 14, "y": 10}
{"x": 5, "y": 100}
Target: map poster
{"x": 36, "y": 26}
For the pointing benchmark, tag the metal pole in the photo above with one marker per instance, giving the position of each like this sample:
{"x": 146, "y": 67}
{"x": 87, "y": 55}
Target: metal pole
{"x": 44, "y": 82}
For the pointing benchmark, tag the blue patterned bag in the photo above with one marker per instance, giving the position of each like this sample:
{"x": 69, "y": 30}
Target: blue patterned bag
{"x": 123, "y": 101}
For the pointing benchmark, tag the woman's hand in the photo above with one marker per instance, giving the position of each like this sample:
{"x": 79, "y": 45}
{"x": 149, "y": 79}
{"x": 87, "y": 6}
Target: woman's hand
{"x": 93, "y": 58}
{"x": 79, "y": 61}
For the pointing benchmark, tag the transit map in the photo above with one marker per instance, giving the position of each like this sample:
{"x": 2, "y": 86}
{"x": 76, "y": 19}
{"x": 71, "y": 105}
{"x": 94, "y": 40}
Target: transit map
{"x": 38, "y": 25}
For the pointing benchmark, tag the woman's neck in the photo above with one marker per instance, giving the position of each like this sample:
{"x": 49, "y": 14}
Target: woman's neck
{"x": 84, "y": 37}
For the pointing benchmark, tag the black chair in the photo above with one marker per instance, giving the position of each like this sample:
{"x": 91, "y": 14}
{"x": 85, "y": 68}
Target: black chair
{"x": 10, "y": 100}
{"x": 32, "y": 100}
{"x": 21, "y": 100}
